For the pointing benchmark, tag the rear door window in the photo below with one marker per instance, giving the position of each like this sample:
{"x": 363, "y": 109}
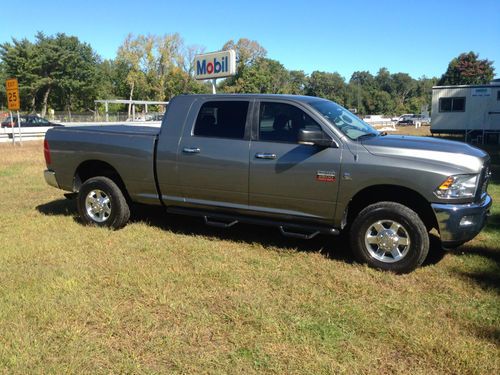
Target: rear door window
{"x": 222, "y": 119}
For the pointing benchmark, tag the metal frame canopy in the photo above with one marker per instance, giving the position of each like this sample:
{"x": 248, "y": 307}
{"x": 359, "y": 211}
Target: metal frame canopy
{"x": 132, "y": 103}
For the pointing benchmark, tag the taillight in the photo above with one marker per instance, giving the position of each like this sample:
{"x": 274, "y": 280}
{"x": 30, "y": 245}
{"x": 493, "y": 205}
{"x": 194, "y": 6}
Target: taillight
{"x": 46, "y": 152}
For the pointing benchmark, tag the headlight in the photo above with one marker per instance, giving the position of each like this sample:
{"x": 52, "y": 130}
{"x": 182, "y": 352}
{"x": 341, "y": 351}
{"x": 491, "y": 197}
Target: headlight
{"x": 458, "y": 186}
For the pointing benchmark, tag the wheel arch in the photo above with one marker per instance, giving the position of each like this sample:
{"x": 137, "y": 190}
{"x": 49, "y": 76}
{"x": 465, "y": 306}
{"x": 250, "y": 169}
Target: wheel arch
{"x": 95, "y": 168}
{"x": 391, "y": 193}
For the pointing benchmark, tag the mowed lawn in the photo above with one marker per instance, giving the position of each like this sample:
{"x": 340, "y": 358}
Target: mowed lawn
{"x": 168, "y": 295}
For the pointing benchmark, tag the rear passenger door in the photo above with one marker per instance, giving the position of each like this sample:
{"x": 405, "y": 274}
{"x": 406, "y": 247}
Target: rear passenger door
{"x": 287, "y": 178}
{"x": 213, "y": 156}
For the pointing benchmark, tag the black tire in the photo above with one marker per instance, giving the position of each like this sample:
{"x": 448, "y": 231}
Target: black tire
{"x": 389, "y": 236}
{"x": 106, "y": 205}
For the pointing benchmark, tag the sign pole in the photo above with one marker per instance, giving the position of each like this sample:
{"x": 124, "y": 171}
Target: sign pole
{"x": 19, "y": 129}
{"x": 214, "y": 85}
{"x": 12, "y": 126}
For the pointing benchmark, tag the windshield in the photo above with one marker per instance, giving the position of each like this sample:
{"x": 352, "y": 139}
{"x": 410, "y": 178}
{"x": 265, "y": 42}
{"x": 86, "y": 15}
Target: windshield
{"x": 349, "y": 124}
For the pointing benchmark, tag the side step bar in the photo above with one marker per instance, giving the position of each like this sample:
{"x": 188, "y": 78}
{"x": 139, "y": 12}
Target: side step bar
{"x": 303, "y": 236}
{"x": 294, "y": 230}
{"x": 219, "y": 224}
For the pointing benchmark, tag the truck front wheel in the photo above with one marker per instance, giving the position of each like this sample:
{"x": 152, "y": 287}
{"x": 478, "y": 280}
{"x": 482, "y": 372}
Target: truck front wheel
{"x": 101, "y": 202}
{"x": 389, "y": 236}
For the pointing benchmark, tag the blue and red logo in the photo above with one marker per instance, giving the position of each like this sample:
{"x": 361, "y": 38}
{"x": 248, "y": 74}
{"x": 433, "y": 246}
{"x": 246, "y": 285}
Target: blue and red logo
{"x": 215, "y": 66}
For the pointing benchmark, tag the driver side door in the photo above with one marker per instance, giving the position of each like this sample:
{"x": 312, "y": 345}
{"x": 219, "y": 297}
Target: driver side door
{"x": 288, "y": 178}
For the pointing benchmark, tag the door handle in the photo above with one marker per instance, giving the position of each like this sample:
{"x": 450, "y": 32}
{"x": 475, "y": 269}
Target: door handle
{"x": 191, "y": 150}
{"x": 265, "y": 155}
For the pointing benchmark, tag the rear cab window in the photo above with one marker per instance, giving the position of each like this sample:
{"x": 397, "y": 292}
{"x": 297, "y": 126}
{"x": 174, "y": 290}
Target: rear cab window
{"x": 222, "y": 119}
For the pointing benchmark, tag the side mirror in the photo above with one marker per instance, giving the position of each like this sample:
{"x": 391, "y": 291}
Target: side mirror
{"x": 315, "y": 137}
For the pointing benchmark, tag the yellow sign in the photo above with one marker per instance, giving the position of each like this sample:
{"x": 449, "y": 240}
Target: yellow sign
{"x": 13, "y": 100}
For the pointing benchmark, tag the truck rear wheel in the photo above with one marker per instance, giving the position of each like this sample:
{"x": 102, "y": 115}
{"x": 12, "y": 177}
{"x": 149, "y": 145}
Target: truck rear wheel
{"x": 102, "y": 203}
{"x": 389, "y": 236}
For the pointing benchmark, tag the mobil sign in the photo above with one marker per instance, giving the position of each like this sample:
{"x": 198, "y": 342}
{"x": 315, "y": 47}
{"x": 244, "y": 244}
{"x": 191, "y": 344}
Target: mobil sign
{"x": 215, "y": 65}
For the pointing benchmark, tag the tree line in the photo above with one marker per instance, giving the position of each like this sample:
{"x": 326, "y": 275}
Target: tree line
{"x": 65, "y": 74}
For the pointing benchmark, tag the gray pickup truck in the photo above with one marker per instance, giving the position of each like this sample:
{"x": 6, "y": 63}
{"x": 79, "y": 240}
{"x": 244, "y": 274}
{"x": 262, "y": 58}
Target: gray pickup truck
{"x": 302, "y": 164}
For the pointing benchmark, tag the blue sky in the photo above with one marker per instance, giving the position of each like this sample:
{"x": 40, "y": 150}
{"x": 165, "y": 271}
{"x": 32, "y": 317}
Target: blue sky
{"x": 416, "y": 37}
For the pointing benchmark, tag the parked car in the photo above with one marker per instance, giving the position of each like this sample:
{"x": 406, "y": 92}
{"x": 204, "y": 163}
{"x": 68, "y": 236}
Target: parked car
{"x": 422, "y": 119}
{"x": 404, "y": 119}
{"x": 28, "y": 121}
{"x": 411, "y": 119}
{"x": 302, "y": 164}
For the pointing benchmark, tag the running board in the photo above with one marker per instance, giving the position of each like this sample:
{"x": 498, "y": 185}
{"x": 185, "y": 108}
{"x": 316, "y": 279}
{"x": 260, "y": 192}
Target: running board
{"x": 219, "y": 220}
{"x": 303, "y": 236}
{"x": 219, "y": 224}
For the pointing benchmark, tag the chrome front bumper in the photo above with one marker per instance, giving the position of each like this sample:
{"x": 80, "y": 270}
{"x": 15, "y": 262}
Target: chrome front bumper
{"x": 460, "y": 223}
{"x": 50, "y": 178}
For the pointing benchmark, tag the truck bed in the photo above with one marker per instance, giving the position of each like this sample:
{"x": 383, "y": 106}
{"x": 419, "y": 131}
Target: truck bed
{"x": 127, "y": 149}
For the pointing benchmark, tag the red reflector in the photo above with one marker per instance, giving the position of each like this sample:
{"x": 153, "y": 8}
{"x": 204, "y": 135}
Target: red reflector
{"x": 46, "y": 152}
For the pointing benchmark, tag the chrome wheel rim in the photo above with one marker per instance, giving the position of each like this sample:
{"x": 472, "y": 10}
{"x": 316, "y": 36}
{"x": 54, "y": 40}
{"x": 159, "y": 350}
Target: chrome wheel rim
{"x": 387, "y": 241}
{"x": 98, "y": 205}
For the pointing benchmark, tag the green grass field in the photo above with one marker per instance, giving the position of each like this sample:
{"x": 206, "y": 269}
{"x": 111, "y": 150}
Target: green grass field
{"x": 169, "y": 295}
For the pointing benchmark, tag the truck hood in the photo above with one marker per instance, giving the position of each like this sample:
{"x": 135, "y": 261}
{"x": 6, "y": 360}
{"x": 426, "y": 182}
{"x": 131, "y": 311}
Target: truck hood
{"x": 442, "y": 151}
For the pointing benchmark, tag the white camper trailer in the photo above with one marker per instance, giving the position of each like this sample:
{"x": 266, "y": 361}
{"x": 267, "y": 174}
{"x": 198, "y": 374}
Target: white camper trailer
{"x": 472, "y": 110}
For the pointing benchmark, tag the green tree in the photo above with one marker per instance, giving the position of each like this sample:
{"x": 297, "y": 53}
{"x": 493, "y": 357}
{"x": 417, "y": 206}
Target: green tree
{"x": 68, "y": 71}
{"x": 364, "y": 79}
{"x": 417, "y": 104}
{"x": 191, "y": 85}
{"x": 424, "y": 91}
{"x": 362, "y": 92}
{"x": 297, "y": 82}
{"x": 263, "y": 76}
{"x": 76, "y": 78}
{"x": 327, "y": 85}
{"x": 407, "y": 94}
{"x": 157, "y": 67}
{"x": 468, "y": 69}
{"x": 382, "y": 103}
{"x": 247, "y": 51}
{"x": 3, "y": 77}
{"x": 402, "y": 86}
{"x": 110, "y": 82}
{"x": 20, "y": 61}
{"x": 57, "y": 68}
{"x": 383, "y": 80}
{"x": 129, "y": 57}
{"x": 177, "y": 66}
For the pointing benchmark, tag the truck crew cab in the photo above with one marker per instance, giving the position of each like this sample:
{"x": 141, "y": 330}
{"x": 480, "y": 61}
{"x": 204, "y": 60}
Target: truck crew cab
{"x": 302, "y": 164}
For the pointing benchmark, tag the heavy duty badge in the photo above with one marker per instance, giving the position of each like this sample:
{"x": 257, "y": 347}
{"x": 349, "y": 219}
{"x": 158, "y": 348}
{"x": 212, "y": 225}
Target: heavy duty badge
{"x": 325, "y": 176}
